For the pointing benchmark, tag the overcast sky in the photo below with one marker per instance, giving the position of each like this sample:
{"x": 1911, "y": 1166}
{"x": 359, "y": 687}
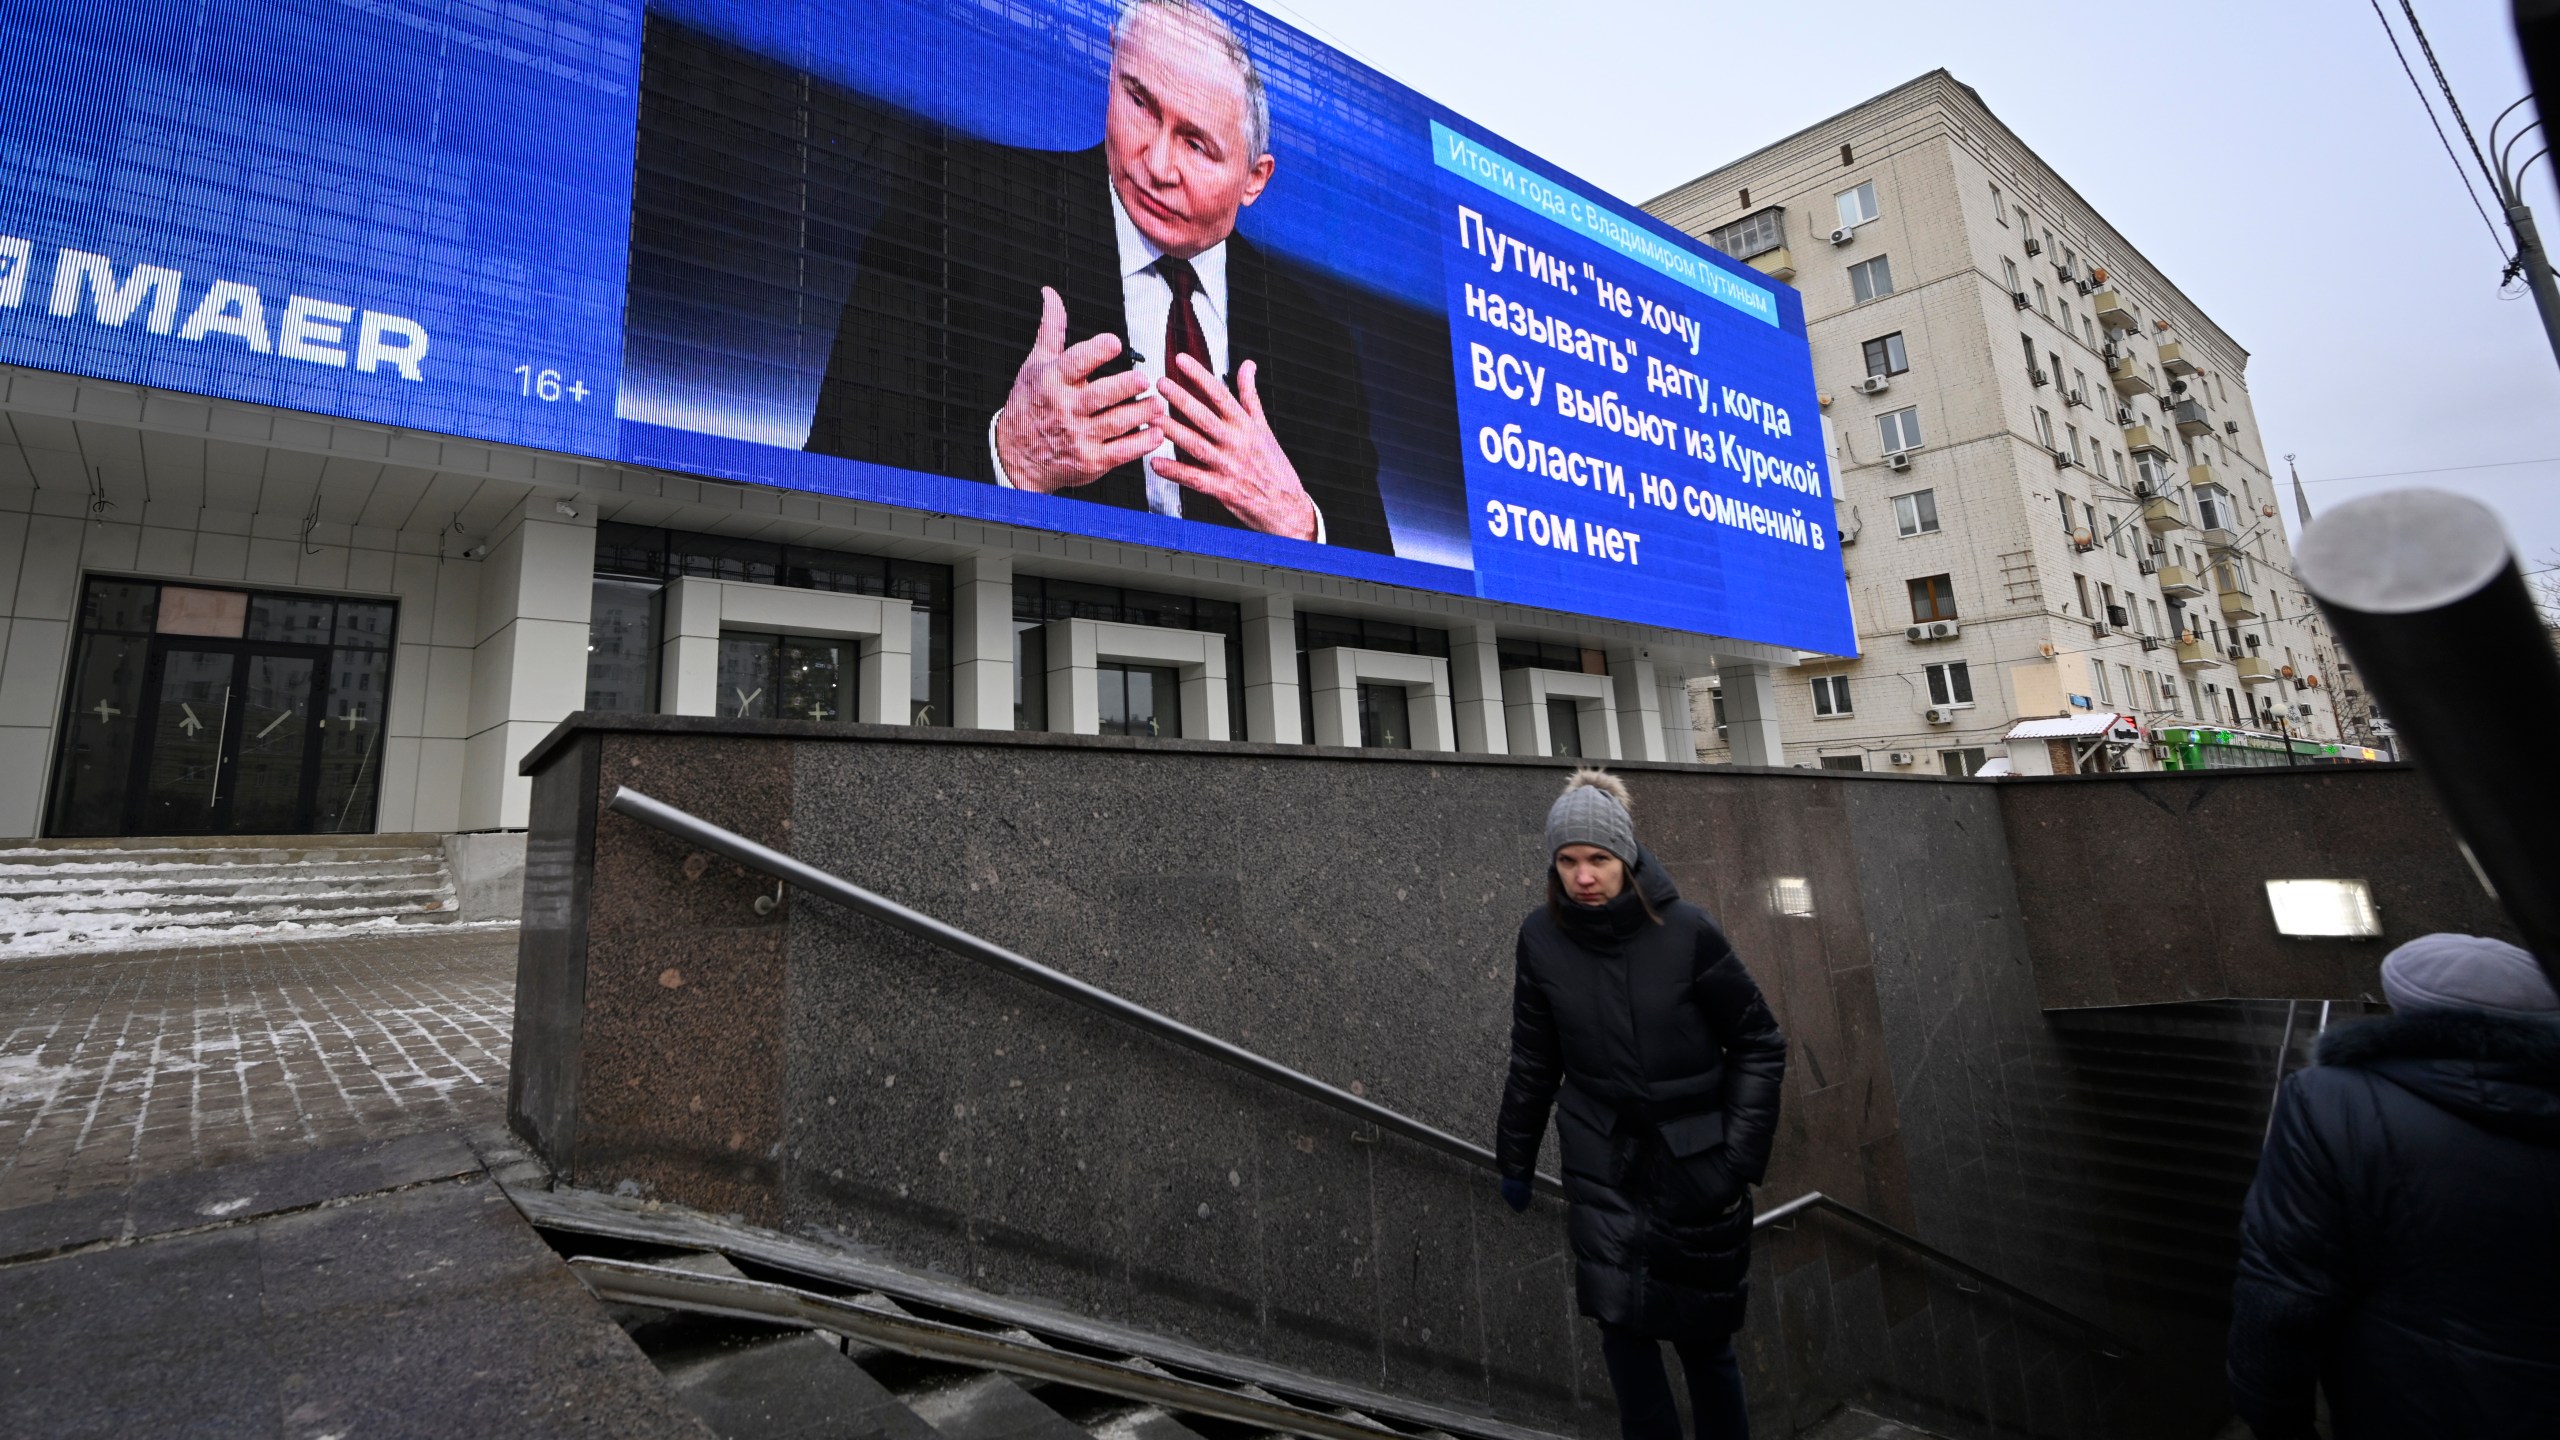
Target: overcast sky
{"x": 2270, "y": 158}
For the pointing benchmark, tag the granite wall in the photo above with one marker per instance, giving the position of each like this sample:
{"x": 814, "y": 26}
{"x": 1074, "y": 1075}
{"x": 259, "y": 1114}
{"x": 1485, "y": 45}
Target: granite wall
{"x": 1350, "y": 915}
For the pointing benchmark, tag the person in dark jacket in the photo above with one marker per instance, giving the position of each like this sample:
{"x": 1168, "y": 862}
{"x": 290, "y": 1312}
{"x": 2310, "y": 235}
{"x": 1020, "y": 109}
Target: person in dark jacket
{"x": 2401, "y": 1245}
{"x": 1633, "y": 1019}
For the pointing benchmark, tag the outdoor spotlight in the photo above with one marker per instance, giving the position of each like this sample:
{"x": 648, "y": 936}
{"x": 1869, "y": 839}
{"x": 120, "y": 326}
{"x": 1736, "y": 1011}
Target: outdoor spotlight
{"x": 2324, "y": 909}
{"x": 565, "y": 508}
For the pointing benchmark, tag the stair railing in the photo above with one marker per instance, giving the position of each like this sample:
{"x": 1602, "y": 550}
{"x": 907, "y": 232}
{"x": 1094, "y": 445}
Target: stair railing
{"x": 764, "y": 859}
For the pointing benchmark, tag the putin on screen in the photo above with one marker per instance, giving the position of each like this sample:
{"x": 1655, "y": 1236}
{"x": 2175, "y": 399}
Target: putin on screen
{"x": 1089, "y": 324}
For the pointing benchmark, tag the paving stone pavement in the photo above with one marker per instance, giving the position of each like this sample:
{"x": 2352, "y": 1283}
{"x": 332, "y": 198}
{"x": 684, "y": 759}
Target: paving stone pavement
{"x": 122, "y": 1066}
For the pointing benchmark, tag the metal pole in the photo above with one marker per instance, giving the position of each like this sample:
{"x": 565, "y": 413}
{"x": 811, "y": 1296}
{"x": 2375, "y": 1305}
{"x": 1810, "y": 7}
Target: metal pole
{"x": 2421, "y": 587}
{"x": 2537, "y": 268}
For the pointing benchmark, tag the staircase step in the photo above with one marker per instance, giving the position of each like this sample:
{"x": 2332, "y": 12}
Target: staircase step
{"x": 787, "y": 1387}
{"x": 90, "y": 892}
{"x": 983, "y": 1405}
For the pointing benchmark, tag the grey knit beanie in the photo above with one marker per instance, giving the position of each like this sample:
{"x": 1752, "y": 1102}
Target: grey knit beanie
{"x": 1593, "y": 811}
{"x": 2465, "y": 972}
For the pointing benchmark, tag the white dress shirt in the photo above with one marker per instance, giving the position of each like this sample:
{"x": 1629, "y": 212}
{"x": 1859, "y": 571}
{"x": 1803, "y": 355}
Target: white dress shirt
{"x": 1146, "y": 301}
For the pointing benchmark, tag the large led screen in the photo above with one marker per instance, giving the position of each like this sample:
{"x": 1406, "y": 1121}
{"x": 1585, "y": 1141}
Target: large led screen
{"x": 1163, "y": 271}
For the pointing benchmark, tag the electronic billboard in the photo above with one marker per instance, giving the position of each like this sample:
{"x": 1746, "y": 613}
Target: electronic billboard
{"x": 1159, "y": 271}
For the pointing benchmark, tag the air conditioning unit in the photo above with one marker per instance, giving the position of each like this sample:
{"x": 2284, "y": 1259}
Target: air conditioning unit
{"x": 2078, "y": 397}
{"x": 1917, "y": 634}
{"x": 1874, "y": 385}
{"x": 2034, "y": 246}
{"x": 1943, "y": 629}
{"x": 2064, "y": 460}
{"x": 2233, "y": 651}
{"x": 2101, "y": 629}
{"x": 2150, "y": 642}
{"x": 2143, "y": 563}
{"x": 2302, "y": 712}
{"x": 2041, "y": 378}
{"x": 2124, "y": 414}
{"x": 2230, "y": 427}
{"x": 1844, "y": 234}
{"x": 1898, "y": 460}
{"x": 2143, "y": 490}
{"x": 1940, "y": 714}
{"x": 1900, "y": 757}
{"x": 2085, "y": 287}
{"x": 2019, "y": 299}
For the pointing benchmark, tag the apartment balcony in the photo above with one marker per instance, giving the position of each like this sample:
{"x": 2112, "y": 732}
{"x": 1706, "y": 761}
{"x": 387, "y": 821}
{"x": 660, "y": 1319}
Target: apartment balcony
{"x": 2128, "y": 377}
{"x": 2254, "y": 671}
{"x": 1777, "y": 264}
{"x": 2218, "y": 538}
{"x": 2191, "y": 419}
{"x": 2179, "y": 583}
{"x": 2160, "y": 515}
{"x": 2113, "y": 311}
{"x": 2201, "y": 475}
{"x": 2139, "y": 438}
{"x": 2173, "y": 358}
{"x": 2196, "y": 655}
{"x": 2238, "y": 605}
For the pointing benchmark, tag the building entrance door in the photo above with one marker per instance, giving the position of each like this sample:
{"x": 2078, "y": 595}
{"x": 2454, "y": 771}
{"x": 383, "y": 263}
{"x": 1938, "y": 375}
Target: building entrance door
{"x": 231, "y": 747}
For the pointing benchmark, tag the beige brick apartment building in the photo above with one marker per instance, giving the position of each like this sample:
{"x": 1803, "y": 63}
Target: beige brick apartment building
{"x": 2061, "y": 502}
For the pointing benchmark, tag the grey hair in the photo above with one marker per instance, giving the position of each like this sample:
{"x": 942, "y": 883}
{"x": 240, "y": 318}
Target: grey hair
{"x": 1257, "y": 106}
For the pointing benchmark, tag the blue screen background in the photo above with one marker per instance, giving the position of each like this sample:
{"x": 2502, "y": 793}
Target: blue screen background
{"x": 469, "y": 167}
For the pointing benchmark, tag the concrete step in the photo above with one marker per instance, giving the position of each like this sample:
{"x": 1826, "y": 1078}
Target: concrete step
{"x": 143, "y": 890}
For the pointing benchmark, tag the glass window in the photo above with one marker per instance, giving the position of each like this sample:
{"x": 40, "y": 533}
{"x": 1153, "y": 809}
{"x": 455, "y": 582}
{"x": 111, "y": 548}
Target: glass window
{"x": 2098, "y": 681}
{"x": 2044, "y": 427}
{"x": 746, "y": 676}
{"x": 1899, "y": 429}
{"x": 725, "y": 557}
{"x": 1385, "y": 718}
{"x": 1754, "y": 234}
{"x": 1857, "y": 205}
{"x": 1142, "y": 700}
{"x": 1933, "y": 597}
{"x": 1999, "y": 206}
{"x": 1831, "y": 695}
{"x": 622, "y": 647}
{"x": 1564, "y": 725}
{"x": 1869, "y": 279}
{"x": 2009, "y": 273}
{"x": 94, "y": 769}
{"x": 351, "y": 726}
{"x": 1916, "y": 513}
{"x": 1885, "y": 355}
{"x": 292, "y": 619}
{"x": 630, "y": 550}
{"x": 1845, "y": 762}
{"x": 1951, "y": 684}
{"x": 1962, "y": 762}
{"x": 816, "y": 679}
{"x": 1030, "y": 675}
{"x": 365, "y": 626}
{"x": 2043, "y": 301}
{"x": 120, "y": 607}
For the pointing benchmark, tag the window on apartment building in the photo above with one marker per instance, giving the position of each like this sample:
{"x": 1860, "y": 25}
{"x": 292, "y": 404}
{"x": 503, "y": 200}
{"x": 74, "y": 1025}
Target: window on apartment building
{"x": 2080, "y": 385}
{"x": 2044, "y": 427}
{"x": 1871, "y": 279}
{"x": 1933, "y": 597}
{"x": 2098, "y": 682}
{"x": 1999, "y": 205}
{"x": 2067, "y": 521}
{"x": 2125, "y": 673}
{"x": 1754, "y": 234}
{"x": 2021, "y": 212}
{"x": 1848, "y": 156}
{"x": 2088, "y": 333}
{"x": 1899, "y": 429}
{"x": 2154, "y": 607}
{"x": 1885, "y": 355}
{"x": 2119, "y": 459}
{"x": 2071, "y": 441}
{"x": 2027, "y": 344}
{"x": 1831, "y": 695}
{"x": 2168, "y": 692}
{"x": 1963, "y": 762}
{"x": 2009, "y": 275}
{"x": 1916, "y": 513}
{"x": 1857, "y": 761}
{"x": 1951, "y": 684}
{"x": 2070, "y": 261}
{"x": 2117, "y": 534}
{"x": 2081, "y": 584}
{"x": 2150, "y": 690}
{"x": 2214, "y": 509}
{"x": 2044, "y": 302}
{"x": 2054, "y": 361}
{"x": 2108, "y": 610}
{"x": 1857, "y": 204}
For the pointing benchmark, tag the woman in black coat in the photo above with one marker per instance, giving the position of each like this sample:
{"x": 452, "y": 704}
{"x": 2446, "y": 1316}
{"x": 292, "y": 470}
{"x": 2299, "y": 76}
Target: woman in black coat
{"x": 1631, "y": 1016}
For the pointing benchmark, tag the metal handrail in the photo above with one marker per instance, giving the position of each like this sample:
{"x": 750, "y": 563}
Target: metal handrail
{"x": 700, "y": 832}
{"x": 2109, "y": 1343}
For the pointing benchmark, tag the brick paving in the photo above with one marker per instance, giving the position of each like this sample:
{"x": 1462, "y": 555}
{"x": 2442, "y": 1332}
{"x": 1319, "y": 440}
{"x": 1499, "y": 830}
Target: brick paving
{"x": 120, "y": 1066}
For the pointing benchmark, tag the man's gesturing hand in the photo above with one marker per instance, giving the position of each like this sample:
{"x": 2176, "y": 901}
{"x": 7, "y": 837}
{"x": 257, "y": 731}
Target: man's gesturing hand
{"x": 1062, "y": 428}
{"x": 1229, "y": 454}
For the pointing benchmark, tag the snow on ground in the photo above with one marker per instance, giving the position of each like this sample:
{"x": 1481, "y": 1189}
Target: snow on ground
{"x": 30, "y": 933}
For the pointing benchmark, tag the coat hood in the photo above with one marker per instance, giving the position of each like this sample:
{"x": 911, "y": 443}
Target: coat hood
{"x": 2499, "y": 1071}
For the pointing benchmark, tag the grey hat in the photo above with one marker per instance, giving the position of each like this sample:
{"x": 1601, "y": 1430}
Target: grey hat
{"x": 1593, "y": 811}
{"x": 2465, "y": 972}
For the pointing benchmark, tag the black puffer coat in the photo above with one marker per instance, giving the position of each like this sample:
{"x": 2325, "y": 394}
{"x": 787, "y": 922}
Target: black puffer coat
{"x": 2402, "y": 1241}
{"x": 1669, "y": 1064}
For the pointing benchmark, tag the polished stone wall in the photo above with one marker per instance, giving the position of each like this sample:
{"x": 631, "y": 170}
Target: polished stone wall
{"x": 1347, "y": 914}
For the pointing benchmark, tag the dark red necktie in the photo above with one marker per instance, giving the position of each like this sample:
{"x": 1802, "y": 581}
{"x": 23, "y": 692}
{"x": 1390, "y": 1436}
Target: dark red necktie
{"x": 1182, "y": 332}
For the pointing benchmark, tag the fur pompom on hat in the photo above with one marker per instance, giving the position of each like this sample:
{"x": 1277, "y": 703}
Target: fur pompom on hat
{"x": 1593, "y": 810}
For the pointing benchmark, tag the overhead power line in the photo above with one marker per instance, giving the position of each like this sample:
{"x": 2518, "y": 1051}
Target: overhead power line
{"x": 2459, "y": 169}
{"x": 2426, "y": 48}
{"x": 2438, "y": 470}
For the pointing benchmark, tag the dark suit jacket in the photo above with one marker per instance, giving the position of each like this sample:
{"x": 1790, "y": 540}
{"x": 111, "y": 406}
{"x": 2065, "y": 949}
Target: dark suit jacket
{"x": 947, "y": 303}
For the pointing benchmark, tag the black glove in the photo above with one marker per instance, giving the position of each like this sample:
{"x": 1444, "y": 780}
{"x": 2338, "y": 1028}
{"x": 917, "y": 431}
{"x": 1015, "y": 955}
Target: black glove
{"x": 1515, "y": 1193}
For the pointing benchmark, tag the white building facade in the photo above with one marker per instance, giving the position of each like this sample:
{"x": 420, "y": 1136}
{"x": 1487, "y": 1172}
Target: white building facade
{"x": 2060, "y": 499}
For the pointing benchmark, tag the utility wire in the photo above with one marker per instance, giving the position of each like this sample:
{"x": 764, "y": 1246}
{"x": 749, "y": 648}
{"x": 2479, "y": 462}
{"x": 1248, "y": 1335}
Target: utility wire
{"x": 2426, "y": 48}
{"x": 2438, "y": 470}
{"x": 2458, "y": 167}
